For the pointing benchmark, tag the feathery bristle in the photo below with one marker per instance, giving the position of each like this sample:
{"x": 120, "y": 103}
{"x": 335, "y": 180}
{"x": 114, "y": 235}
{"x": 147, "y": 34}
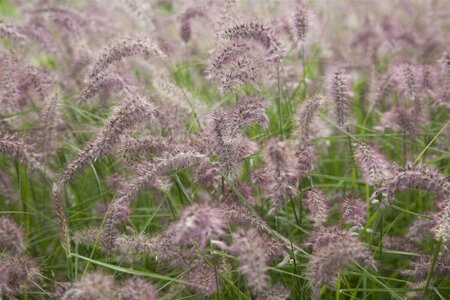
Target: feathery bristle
{"x": 420, "y": 176}
{"x": 315, "y": 202}
{"x": 373, "y": 164}
{"x": 249, "y": 248}
{"x": 121, "y": 48}
{"x": 11, "y": 236}
{"x": 340, "y": 95}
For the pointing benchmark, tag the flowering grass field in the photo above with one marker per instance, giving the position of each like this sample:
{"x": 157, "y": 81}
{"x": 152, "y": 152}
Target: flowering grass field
{"x": 236, "y": 149}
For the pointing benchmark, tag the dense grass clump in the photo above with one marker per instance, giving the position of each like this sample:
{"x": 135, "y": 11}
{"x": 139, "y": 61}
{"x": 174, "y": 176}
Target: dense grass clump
{"x": 181, "y": 149}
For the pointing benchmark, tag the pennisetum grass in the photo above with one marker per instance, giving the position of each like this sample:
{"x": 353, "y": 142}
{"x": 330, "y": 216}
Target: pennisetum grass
{"x": 186, "y": 154}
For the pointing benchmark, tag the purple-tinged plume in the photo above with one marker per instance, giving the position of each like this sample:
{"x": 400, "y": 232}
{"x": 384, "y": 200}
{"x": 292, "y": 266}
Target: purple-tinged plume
{"x": 374, "y": 166}
{"x": 11, "y": 237}
{"x": 419, "y": 177}
{"x": 121, "y": 48}
{"x": 353, "y": 211}
{"x": 339, "y": 91}
{"x": 249, "y": 248}
{"x": 316, "y": 203}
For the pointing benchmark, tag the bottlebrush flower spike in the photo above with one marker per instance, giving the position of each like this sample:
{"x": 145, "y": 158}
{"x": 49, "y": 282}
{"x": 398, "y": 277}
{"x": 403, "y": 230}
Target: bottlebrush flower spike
{"x": 373, "y": 164}
{"x": 441, "y": 229}
{"x": 280, "y": 159}
{"x": 198, "y": 223}
{"x": 384, "y": 90}
{"x": 121, "y": 48}
{"x": 132, "y": 111}
{"x": 301, "y": 22}
{"x": 339, "y": 91}
{"x": 248, "y": 110}
{"x": 257, "y": 32}
{"x": 15, "y": 146}
{"x": 7, "y": 189}
{"x": 17, "y": 275}
{"x": 324, "y": 235}
{"x": 92, "y": 286}
{"x": 420, "y": 176}
{"x": 137, "y": 289}
{"x": 119, "y": 208}
{"x": 305, "y": 159}
{"x": 401, "y": 118}
{"x": 185, "y": 20}
{"x": 353, "y": 211}
{"x": 202, "y": 279}
{"x": 249, "y": 248}
{"x": 241, "y": 71}
{"x": 224, "y": 57}
{"x": 50, "y": 117}
{"x": 11, "y": 237}
{"x": 420, "y": 228}
{"x": 305, "y": 118}
{"x": 316, "y": 204}
{"x": 11, "y": 32}
{"x": 328, "y": 259}
{"x": 100, "y": 82}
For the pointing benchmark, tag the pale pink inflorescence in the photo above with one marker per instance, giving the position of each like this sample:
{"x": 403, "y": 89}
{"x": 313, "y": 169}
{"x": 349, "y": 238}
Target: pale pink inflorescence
{"x": 332, "y": 253}
{"x": 249, "y": 248}
{"x": 12, "y": 239}
{"x": 316, "y": 203}
{"x": 374, "y": 166}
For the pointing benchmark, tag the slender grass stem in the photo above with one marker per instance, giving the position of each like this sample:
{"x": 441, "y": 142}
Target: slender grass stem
{"x": 430, "y": 272}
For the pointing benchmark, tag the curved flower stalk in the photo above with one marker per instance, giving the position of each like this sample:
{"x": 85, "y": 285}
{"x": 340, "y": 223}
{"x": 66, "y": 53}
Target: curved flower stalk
{"x": 120, "y": 206}
{"x": 132, "y": 111}
{"x": 185, "y": 20}
{"x": 420, "y": 176}
{"x": 100, "y": 82}
{"x": 259, "y": 33}
{"x": 121, "y": 48}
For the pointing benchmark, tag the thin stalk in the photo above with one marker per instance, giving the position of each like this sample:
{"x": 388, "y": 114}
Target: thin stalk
{"x": 430, "y": 273}
{"x": 295, "y": 212}
{"x": 280, "y": 116}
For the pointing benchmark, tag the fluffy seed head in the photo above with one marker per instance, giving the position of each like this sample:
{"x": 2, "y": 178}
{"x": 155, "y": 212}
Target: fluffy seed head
{"x": 301, "y": 22}
{"x": 92, "y": 286}
{"x": 137, "y": 288}
{"x": 199, "y": 223}
{"x": 373, "y": 164}
{"x": 121, "y": 48}
{"x": 353, "y": 211}
{"x": 316, "y": 204}
{"x": 249, "y": 248}
{"x": 11, "y": 236}
{"x": 340, "y": 94}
